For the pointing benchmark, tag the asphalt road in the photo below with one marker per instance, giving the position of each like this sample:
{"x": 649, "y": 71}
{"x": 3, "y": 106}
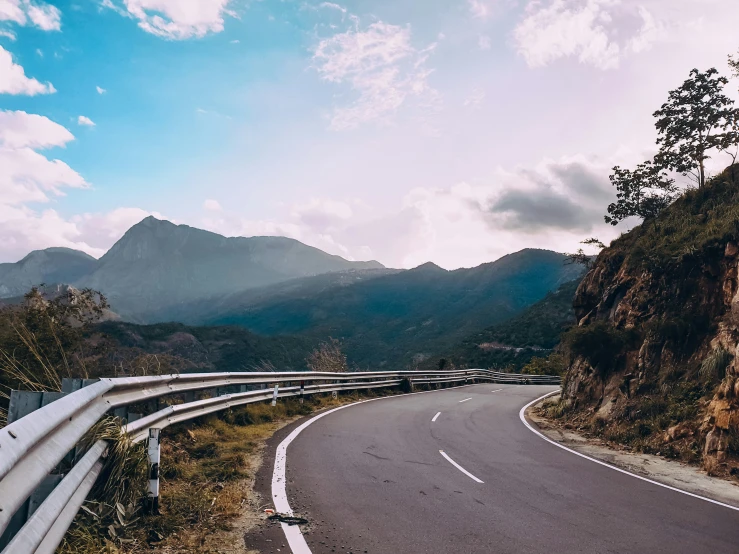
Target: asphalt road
{"x": 370, "y": 478}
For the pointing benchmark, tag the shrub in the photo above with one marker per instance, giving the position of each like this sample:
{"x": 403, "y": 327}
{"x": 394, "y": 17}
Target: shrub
{"x": 713, "y": 367}
{"x": 600, "y": 343}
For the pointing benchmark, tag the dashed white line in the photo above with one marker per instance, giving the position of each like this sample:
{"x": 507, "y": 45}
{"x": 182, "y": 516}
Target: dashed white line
{"x": 465, "y": 400}
{"x": 435, "y": 417}
{"x": 459, "y": 467}
{"x": 496, "y": 390}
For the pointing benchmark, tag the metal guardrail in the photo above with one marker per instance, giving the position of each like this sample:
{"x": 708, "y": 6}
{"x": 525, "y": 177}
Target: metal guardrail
{"x": 31, "y": 447}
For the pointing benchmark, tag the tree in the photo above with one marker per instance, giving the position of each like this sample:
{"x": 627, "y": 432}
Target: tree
{"x": 580, "y": 257}
{"x": 696, "y": 119}
{"x": 328, "y": 357}
{"x": 643, "y": 192}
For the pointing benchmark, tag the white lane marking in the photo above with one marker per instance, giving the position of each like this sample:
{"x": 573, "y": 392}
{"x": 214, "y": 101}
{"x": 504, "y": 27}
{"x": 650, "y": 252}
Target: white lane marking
{"x": 459, "y": 467}
{"x": 522, "y": 416}
{"x": 435, "y": 417}
{"x": 465, "y": 400}
{"x": 496, "y": 390}
{"x": 293, "y": 534}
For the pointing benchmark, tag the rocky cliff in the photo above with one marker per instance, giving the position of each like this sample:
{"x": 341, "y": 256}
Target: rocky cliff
{"x": 653, "y": 361}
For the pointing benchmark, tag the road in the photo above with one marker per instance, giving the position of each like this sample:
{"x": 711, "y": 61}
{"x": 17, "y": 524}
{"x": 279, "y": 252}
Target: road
{"x": 371, "y": 478}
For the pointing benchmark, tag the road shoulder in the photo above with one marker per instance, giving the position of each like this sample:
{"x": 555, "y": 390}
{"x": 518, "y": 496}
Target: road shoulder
{"x": 668, "y": 472}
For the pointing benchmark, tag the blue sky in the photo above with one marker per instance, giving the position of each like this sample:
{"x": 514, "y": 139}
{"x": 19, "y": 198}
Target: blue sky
{"x": 450, "y": 130}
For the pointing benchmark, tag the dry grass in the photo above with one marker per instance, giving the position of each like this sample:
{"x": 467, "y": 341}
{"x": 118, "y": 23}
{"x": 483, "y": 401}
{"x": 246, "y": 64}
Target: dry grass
{"x": 207, "y": 501}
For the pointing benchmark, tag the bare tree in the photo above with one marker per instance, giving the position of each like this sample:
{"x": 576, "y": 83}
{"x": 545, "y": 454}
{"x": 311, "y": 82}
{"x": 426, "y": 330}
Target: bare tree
{"x": 328, "y": 357}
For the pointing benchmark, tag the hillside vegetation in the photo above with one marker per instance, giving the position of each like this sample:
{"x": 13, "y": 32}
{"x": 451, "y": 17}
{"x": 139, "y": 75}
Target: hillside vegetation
{"x": 652, "y": 362}
{"x": 534, "y": 332}
{"x": 402, "y": 319}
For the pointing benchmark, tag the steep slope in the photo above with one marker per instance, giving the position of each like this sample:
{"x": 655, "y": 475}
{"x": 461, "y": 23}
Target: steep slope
{"x": 653, "y": 362}
{"x": 405, "y": 317}
{"x": 50, "y": 266}
{"x": 533, "y": 332}
{"x": 157, "y": 265}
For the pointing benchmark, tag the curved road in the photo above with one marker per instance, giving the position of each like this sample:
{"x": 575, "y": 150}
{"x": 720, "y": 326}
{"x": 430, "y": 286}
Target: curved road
{"x": 371, "y": 478}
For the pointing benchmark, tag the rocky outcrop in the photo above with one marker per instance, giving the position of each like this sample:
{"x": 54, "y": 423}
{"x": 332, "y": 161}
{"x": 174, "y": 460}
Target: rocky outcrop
{"x": 656, "y": 350}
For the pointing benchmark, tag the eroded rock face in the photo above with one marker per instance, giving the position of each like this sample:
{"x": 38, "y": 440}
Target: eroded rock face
{"x": 679, "y": 317}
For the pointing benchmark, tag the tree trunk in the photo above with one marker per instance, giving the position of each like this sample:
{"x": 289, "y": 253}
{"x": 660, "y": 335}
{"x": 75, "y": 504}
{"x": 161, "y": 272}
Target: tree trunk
{"x": 702, "y": 176}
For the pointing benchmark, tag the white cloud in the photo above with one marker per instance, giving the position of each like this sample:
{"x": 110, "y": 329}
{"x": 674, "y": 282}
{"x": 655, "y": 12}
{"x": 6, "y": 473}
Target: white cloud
{"x": 598, "y": 32}
{"x": 212, "y": 205}
{"x": 23, "y": 130}
{"x": 381, "y": 66}
{"x": 554, "y": 204}
{"x": 27, "y": 175}
{"x": 24, "y": 229}
{"x": 7, "y": 34}
{"x": 100, "y": 90}
{"x": 474, "y": 100}
{"x": 235, "y": 41}
{"x": 332, "y": 6}
{"x": 651, "y": 31}
{"x": 44, "y": 16}
{"x": 13, "y": 78}
{"x": 479, "y": 8}
{"x": 483, "y": 42}
{"x": 86, "y": 121}
{"x": 175, "y": 19}
{"x": 565, "y": 28}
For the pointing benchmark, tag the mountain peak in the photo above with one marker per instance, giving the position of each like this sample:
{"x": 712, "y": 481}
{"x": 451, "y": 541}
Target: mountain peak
{"x": 429, "y": 267}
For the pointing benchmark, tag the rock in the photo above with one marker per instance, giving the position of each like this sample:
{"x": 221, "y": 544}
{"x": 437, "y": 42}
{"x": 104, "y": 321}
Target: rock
{"x": 678, "y": 431}
{"x": 731, "y": 250}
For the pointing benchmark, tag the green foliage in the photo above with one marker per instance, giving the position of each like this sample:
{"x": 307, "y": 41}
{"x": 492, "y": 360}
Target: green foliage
{"x": 513, "y": 343}
{"x": 694, "y": 228}
{"x": 388, "y": 320}
{"x": 554, "y": 364}
{"x": 42, "y": 339}
{"x": 600, "y": 343}
{"x": 644, "y": 192}
{"x": 697, "y": 119}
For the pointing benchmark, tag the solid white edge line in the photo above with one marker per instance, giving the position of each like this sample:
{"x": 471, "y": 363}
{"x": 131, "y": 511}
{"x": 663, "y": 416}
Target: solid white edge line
{"x": 435, "y": 417}
{"x": 460, "y": 468}
{"x": 465, "y": 400}
{"x": 522, "y": 416}
{"x": 293, "y": 534}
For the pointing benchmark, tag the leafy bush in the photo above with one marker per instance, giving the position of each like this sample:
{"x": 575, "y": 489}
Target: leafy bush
{"x": 600, "y": 343}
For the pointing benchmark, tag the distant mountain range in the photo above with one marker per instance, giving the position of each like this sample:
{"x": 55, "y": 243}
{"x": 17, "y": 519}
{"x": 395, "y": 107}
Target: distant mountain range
{"x": 158, "y": 265}
{"x": 161, "y": 272}
{"x": 404, "y": 317}
{"x": 534, "y": 331}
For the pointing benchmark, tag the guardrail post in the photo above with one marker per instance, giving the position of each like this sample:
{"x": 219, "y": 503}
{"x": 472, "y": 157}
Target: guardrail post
{"x": 274, "y": 394}
{"x": 302, "y": 390}
{"x": 153, "y": 453}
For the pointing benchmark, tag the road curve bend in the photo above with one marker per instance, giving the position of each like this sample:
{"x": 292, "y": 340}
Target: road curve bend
{"x": 457, "y": 471}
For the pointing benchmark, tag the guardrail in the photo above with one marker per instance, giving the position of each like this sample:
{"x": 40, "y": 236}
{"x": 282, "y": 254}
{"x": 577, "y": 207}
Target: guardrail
{"x": 31, "y": 447}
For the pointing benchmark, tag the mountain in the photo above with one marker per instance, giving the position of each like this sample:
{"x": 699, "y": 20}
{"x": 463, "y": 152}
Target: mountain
{"x": 653, "y": 360}
{"x": 50, "y": 266}
{"x": 157, "y": 265}
{"x": 404, "y": 317}
{"x": 534, "y": 331}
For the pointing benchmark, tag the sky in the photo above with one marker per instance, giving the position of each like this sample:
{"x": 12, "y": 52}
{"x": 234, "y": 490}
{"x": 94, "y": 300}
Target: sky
{"x": 452, "y": 131}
